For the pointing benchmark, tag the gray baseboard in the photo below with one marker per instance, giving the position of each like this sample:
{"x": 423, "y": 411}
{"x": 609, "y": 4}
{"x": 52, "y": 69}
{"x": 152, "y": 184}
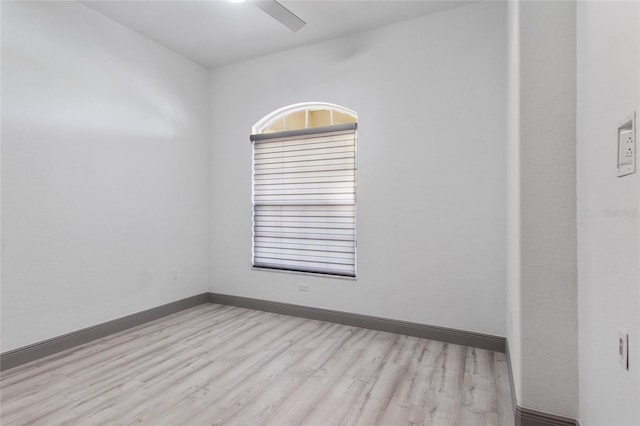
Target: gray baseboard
{"x": 54, "y": 345}
{"x": 449, "y": 335}
{"x": 48, "y": 347}
{"x": 527, "y": 417}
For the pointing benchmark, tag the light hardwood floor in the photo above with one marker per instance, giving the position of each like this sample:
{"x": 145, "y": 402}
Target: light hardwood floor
{"x": 216, "y": 364}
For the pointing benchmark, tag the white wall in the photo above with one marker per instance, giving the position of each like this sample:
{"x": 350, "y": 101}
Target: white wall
{"x": 430, "y": 94}
{"x": 542, "y": 285}
{"x": 105, "y": 171}
{"x": 608, "y": 228}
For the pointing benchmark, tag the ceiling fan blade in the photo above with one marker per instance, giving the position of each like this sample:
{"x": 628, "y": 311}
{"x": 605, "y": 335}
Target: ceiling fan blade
{"x": 281, "y": 14}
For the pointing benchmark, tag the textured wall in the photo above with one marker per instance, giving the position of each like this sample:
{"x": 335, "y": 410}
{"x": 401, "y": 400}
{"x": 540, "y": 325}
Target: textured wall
{"x": 608, "y": 228}
{"x": 542, "y": 285}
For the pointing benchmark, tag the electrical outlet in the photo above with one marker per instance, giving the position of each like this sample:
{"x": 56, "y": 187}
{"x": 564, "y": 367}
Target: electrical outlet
{"x": 623, "y": 350}
{"x": 175, "y": 274}
{"x": 627, "y": 146}
{"x": 303, "y": 287}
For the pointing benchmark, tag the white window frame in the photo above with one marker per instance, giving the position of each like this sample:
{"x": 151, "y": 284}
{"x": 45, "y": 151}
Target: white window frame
{"x": 270, "y": 118}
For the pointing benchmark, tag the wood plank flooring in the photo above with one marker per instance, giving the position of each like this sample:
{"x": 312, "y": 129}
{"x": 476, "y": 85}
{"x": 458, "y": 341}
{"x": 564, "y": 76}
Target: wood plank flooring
{"x": 216, "y": 364}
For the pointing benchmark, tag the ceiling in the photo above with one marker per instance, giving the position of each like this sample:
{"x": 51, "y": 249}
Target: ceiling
{"x": 218, "y": 32}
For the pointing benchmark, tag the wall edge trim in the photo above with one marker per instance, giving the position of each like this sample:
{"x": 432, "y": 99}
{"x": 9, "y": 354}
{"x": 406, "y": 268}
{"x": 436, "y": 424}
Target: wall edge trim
{"x": 25, "y": 354}
{"x": 449, "y": 335}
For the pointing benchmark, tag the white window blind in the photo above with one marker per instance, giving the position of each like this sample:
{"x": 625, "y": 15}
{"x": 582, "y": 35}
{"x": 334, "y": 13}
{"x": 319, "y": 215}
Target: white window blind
{"x": 304, "y": 200}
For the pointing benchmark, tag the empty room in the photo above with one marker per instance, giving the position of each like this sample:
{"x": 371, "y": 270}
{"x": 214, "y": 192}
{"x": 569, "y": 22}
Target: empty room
{"x": 316, "y": 212}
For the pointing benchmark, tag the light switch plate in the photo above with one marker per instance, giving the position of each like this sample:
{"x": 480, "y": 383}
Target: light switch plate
{"x": 627, "y": 145}
{"x": 623, "y": 349}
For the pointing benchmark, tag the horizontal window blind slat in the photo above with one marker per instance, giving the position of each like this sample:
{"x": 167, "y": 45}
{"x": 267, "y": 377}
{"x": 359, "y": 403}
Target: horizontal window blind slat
{"x": 304, "y": 266}
{"x": 313, "y": 226}
{"x": 305, "y": 216}
{"x": 279, "y": 190}
{"x": 281, "y": 152}
{"x": 338, "y": 194}
{"x": 302, "y": 258}
{"x": 305, "y": 199}
{"x": 346, "y": 218}
{"x": 342, "y": 233}
{"x": 285, "y": 155}
{"x": 315, "y": 270}
{"x": 314, "y": 248}
{"x": 305, "y": 244}
{"x": 313, "y": 175}
{"x": 309, "y": 250}
{"x": 304, "y": 160}
{"x": 307, "y": 220}
{"x": 284, "y": 161}
{"x": 304, "y": 236}
{"x": 309, "y": 168}
{"x": 306, "y": 182}
{"x": 304, "y": 203}
{"x": 308, "y": 208}
{"x": 302, "y": 150}
{"x": 306, "y": 232}
{"x": 315, "y": 163}
{"x": 289, "y": 186}
{"x": 275, "y": 251}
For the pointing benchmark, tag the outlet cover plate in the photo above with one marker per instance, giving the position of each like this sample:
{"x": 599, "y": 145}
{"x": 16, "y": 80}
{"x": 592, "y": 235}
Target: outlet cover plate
{"x": 627, "y": 145}
{"x": 174, "y": 274}
{"x": 623, "y": 349}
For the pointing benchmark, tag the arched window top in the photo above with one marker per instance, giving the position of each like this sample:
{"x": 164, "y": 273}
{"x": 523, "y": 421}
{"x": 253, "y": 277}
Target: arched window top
{"x": 304, "y": 115}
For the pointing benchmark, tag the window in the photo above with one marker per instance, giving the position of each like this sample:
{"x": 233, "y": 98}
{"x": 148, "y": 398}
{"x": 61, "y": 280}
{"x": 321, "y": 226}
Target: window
{"x": 304, "y": 190}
